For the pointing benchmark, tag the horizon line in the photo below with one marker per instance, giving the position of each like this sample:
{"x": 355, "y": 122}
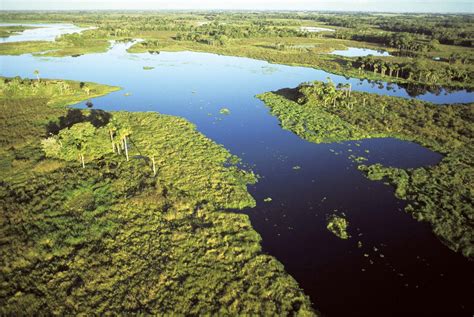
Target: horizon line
{"x": 234, "y": 10}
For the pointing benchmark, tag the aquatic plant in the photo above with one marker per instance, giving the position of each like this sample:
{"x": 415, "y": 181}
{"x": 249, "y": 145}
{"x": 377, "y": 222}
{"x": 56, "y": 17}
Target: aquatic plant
{"x": 338, "y": 226}
{"x": 224, "y": 111}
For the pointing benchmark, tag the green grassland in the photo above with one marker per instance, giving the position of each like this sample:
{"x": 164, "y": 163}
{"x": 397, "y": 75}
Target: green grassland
{"x": 442, "y": 194}
{"x": 147, "y": 234}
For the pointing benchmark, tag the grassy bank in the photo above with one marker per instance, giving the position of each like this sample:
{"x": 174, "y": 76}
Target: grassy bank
{"x": 87, "y": 230}
{"x": 442, "y": 195}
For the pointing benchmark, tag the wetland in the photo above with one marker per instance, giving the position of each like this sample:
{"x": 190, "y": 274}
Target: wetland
{"x": 341, "y": 189}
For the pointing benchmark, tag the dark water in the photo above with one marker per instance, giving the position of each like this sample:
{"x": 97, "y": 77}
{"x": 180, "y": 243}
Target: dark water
{"x": 406, "y": 270}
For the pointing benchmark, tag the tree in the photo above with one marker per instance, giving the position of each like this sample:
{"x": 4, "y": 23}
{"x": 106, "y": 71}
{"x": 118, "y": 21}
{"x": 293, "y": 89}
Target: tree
{"x": 113, "y": 126}
{"x": 75, "y": 139}
{"x": 37, "y": 73}
{"x": 124, "y": 132}
{"x": 376, "y": 67}
{"x": 383, "y": 69}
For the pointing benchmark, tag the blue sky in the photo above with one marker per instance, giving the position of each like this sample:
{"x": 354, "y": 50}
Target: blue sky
{"x": 464, "y": 6}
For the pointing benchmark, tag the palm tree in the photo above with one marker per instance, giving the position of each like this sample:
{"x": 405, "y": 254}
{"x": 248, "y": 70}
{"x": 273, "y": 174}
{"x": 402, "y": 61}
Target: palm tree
{"x": 390, "y": 69}
{"x": 153, "y": 164}
{"x": 396, "y": 69}
{"x": 113, "y": 127}
{"x": 376, "y": 67}
{"x": 125, "y": 131}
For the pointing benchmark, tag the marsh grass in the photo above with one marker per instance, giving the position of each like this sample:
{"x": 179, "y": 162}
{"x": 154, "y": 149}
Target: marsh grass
{"x": 116, "y": 238}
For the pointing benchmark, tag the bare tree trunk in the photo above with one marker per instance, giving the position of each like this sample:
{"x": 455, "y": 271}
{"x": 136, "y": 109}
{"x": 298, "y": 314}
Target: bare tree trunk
{"x": 82, "y": 160}
{"x": 350, "y": 89}
{"x": 112, "y": 140}
{"x": 154, "y": 167}
{"x": 125, "y": 145}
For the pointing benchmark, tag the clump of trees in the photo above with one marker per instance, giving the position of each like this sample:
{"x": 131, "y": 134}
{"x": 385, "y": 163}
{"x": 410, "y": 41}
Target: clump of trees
{"x": 84, "y": 141}
{"x": 71, "y": 143}
{"x": 419, "y": 70}
{"x": 402, "y": 41}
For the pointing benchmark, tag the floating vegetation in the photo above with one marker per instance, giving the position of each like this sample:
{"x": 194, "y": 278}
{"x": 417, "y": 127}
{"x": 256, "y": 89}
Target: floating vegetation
{"x": 148, "y": 67}
{"x": 268, "y": 199}
{"x": 224, "y": 111}
{"x": 357, "y": 159}
{"x": 127, "y": 94}
{"x": 338, "y": 226}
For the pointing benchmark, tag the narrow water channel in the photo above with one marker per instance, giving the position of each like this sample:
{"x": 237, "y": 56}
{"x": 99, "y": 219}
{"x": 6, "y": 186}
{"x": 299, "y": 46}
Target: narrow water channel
{"x": 392, "y": 263}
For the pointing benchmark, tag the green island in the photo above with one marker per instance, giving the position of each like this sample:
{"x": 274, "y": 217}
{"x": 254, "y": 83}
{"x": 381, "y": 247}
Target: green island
{"x": 428, "y": 51}
{"x": 338, "y": 226}
{"x": 125, "y": 213}
{"x": 442, "y": 194}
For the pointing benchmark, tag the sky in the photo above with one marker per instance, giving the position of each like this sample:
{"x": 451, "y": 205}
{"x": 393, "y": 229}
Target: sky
{"x": 443, "y": 6}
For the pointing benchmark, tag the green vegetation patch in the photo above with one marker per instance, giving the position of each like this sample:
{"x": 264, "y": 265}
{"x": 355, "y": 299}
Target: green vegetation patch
{"x": 224, "y": 111}
{"x": 338, "y": 226}
{"x": 123, "y": 213}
